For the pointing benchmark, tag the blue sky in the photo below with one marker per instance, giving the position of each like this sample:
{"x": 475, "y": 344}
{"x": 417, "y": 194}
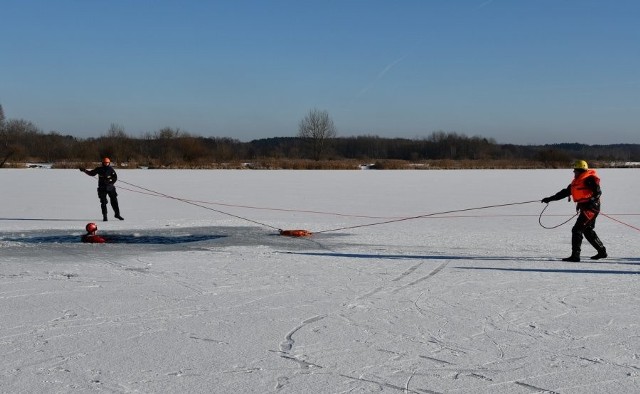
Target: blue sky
{"x": 522, "y": 72}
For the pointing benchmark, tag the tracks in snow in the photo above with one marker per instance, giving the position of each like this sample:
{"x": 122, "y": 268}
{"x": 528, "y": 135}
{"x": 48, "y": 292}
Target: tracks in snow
{"x": 395, "y": 286}
{"x": 408, "y": 279}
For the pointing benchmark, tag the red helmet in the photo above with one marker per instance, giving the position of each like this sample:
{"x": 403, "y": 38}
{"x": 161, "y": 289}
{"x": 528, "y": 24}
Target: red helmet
{"x": 91, "y": 227}
{"x": 106, "y": 160}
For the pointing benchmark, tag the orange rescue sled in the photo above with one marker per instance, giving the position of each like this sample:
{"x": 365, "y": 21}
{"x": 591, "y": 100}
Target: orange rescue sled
{"x": 295, "y": 233}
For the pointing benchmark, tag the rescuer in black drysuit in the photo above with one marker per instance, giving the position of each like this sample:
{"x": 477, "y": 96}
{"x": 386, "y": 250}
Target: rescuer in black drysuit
{"x": 106, "y": 178}
{"x": 585, "y": 191}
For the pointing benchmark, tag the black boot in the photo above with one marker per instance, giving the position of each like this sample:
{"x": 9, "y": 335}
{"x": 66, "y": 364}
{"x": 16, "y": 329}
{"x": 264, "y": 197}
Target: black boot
{"x": 104, "y": 212}
{"x": 576, "y": 243}
{"x": 116, "y": 207}
{"x": 575, "y": 258}
{"x": 594, "y": 240}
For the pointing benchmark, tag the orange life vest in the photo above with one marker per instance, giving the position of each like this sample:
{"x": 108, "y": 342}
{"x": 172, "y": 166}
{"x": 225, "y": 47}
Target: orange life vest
{"x": 580, "y": 192}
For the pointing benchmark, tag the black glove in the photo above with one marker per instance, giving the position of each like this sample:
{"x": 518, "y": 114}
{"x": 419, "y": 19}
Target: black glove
{"x": 82, "y": 169}
{"x": 546, "y": 200}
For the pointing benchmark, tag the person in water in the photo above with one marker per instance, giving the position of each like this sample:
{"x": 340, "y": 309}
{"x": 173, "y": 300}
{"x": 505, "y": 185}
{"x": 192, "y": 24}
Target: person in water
{"x": 91, "y": 236}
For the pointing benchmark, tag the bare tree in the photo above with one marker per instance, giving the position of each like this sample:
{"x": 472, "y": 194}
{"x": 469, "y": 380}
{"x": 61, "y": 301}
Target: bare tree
{"x": 166, "y": 142}
{"x": 1, "y": 118}
{"x": 18, "y": 137}
{"x": 5, "y": 152}
{"x": 116, "y": 131}
{"x": 167, "y": 133}
{"x": 317, "y": 127}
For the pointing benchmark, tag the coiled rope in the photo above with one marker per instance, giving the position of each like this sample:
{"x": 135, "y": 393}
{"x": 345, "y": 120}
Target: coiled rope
{"x": 603, "y": 214}
{"x": 552, "y": 227}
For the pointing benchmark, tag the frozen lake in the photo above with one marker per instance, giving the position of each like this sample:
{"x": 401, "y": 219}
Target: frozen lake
{"x": 204, "y": 295}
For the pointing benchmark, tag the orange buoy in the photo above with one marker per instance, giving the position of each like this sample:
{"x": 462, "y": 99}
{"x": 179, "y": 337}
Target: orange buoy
{"x": 295, "y": 233}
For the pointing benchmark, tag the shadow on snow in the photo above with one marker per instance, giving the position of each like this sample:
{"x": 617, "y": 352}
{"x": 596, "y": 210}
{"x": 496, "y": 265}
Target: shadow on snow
{"x": 553, "y": 270}
{"x": 621, "y": 261}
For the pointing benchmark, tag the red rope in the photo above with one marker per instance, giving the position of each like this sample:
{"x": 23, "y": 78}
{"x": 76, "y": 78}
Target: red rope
{"x": 393, "y": 219}
{"x": 619, "y": 221}
{"x": 156, "y": 194}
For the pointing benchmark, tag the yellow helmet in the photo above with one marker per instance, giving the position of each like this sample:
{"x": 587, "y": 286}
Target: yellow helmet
{"x": 580, "y": 165}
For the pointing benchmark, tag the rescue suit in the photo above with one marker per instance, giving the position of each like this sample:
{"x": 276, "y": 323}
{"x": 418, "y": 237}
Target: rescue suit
{"x": 585, "y": 192}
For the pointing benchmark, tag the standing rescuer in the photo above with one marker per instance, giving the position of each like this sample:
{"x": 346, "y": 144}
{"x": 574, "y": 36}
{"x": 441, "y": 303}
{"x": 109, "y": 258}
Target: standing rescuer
{"x": 585, "y": 191}
{"x": 106, "y": 178}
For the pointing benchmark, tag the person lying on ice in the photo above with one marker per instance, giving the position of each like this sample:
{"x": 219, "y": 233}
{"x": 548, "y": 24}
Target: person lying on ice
{"x": 91, "y": 236}
{"x": 585, "y": 190}
{"x": 106, "y": 178}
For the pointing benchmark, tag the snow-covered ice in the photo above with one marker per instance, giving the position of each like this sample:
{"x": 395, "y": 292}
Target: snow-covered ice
{"x": 191, "y": 297}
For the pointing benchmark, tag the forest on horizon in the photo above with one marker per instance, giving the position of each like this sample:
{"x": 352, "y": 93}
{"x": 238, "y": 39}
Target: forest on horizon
{"x": 22, "y": 142}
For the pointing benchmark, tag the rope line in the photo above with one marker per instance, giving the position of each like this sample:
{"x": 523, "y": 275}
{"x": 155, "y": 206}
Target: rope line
{"x": 425, "y": 216}
{"x": 610, "y": 216}
{"x": 158, "y": 194}
{"x": 368, "y": 216}
{"x": 388, "y": 220}
{"x": 351, "y": 215}
{"x": 261, "y": 208}
{"x": 619, "y": 221}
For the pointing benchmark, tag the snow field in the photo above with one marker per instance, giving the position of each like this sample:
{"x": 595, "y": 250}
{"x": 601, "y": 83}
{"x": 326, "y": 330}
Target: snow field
{"x": 190, "y": 299}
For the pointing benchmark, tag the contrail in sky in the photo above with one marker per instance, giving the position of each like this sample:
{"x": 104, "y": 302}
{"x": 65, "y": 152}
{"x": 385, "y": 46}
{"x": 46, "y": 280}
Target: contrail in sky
{"x": 380, "y": 75}
{"x": 486, "y": 3}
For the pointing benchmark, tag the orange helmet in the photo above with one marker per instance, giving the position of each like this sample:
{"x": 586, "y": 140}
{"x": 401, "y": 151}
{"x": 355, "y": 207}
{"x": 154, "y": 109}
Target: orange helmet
{"x": 91, "y": 227}
{"x": 106, "y": 160}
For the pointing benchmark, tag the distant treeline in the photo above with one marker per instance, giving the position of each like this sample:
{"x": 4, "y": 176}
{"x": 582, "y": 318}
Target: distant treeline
{"x": 21, "y": 142}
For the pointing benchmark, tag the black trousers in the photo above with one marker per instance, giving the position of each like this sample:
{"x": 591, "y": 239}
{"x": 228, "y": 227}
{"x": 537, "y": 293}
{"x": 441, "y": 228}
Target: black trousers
{"x": 110, "y": 191}
{"x": 584, "y": 226}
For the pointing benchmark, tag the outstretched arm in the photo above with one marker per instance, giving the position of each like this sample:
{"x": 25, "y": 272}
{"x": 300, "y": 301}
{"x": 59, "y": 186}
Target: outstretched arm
{"x": 558, "y": 196}
{"x": 88, "y": 172}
